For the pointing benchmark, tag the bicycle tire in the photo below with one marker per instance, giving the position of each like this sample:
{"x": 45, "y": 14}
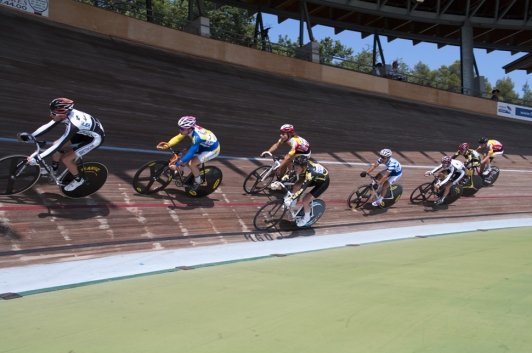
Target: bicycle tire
{"x": 269, "y": 215}
{"x": 422, "y": 193}
{"x": 154, "y": 172}
{"x": 360, "y": 196}
{"x": 211, "y": 175}
{"x": 491, "y": 178}
{"x": 258, "y": 180}
{"x": 11, "y": 165}
{"x": 318, "y": 209}
{"x": 95, "y": 174}
{"x": 397, "y": 193}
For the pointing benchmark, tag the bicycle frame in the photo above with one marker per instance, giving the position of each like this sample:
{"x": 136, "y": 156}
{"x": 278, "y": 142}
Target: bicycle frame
{"x": 374, "y": 181}
{"x": 179, "y": 172}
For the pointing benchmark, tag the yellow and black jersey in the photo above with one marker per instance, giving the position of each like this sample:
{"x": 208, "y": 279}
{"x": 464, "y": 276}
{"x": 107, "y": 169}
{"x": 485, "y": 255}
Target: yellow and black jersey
{"x": 315, "y": 174}
{"x": 471, "y": 157}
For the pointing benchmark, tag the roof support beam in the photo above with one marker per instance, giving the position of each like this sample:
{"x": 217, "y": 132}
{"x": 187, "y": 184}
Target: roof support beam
{"x": 506, "y": 10}
{"x": 446, "y": 7}
{"x": 477, "y": 8}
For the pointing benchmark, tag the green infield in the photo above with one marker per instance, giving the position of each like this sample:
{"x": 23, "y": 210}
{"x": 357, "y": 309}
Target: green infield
{"x": 468, "y": 292}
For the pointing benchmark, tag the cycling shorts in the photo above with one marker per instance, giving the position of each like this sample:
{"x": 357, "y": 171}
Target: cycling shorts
{"x": 208, "y": 155}
{"x": 85, "y": 143}
{"x": 391, "y": 179}
{"x": 319, "y": 187}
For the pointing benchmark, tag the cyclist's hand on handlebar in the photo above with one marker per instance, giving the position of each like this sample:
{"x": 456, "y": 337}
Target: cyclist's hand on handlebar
{"x": 23, "y": 136}
{"x": 363, "y": 174}
{"x": 32, "y": 160}
{"x": 265, "y": 153}
{"x": 428, "y": 173}
{"x": 162, "y": 146}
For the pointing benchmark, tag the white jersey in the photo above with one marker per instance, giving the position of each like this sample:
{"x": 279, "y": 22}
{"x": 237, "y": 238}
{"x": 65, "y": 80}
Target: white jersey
{"x": 454, "y": 167}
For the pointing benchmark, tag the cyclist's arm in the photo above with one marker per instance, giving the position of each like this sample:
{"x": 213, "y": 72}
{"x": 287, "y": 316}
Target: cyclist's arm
{"x": 462, "y": 173}
{"x": 457, "y": 153}
{"x": 308, "y": 179}
{"x": 70, "y": 131}
{"x": 449, "y": 176}
{"x": 435, "y": 169}
{"x": 45, "y": 128}
{"x": 372, "y": 168}
{"x": 190, "y": 153}
{"x": 175, "y": 140}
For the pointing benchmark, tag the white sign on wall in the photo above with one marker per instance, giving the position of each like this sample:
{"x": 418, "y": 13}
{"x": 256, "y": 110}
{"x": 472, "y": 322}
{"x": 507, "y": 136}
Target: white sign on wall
{"x": 38, "y": 7}
{"x": 512, "y": 111}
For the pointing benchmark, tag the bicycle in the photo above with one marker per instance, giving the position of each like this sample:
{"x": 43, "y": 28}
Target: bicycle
{"x": 491, "y": 177}
{"x": 21, "y": 176}
{"x": 362, "y": 194}
{"x": 427, "y": 190}
{"x": 273, "y": 212}
{"x": 261, "y": 177}
{"x": 156, "y": 175}
{"x": 471, "y": 183}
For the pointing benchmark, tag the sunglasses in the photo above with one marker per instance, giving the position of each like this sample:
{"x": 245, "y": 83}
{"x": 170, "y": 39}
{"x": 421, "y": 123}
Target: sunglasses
{"x": 183, "y": 128}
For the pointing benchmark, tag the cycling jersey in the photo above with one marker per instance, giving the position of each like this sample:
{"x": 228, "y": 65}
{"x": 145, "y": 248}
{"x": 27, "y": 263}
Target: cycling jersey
{"x": 392, "y": 166}
{"x": 78, "y": 125}
{"x": 297, "y": 145}
{"x": 472, "y": 157}
{"x": 456, "y": 170}
{"x": 315, "y": 175}
{"x": 493, "y": 146}
{"x": 203, "y": 140}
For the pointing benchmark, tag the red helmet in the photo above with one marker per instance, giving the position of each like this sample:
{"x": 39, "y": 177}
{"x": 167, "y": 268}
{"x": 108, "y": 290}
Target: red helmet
{"x": 446, "y": 160}
{"x": 287, "y": 128}
{"x": 61, "y": 106}
{"x": 463, "y": 147}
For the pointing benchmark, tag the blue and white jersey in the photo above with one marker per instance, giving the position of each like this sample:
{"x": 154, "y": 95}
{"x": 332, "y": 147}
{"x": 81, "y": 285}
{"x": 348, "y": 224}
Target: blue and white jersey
{"x": 392, "y": 166}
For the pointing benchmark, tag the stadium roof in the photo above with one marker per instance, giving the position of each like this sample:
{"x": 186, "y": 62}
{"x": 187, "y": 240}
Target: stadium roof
{"x": 497, "y": 24}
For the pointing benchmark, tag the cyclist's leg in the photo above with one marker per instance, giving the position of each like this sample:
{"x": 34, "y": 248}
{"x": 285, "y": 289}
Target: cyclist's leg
{"x": 86, "y": 144}
{"x": 389, "y": 182}
{"x": 198, "y": 159}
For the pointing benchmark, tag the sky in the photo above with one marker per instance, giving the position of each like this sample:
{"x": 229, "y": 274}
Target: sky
{"x": 489, "y": 65}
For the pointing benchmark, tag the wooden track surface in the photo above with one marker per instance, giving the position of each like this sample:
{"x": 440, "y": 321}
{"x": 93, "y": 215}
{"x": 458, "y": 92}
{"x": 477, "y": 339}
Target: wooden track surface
{"x": 138, "y": 93}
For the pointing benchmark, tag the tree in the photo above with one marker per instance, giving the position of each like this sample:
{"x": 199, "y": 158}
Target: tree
{"x": 506, "y": 86}
{"x": 527, "y": 94}
{"x": 333, "y": 52}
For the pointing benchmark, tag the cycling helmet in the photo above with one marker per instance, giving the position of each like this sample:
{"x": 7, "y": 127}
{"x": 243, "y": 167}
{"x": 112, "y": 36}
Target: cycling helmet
{"x": 287, "y": 128}
{"x": 463, "y": 147}
{"x": 386, "y": 153}
{"x": 301, "y": 160}
{"x": 187, "y": 122}
{"x": 61, "y": 106}
{"x": 446, "y": 160}
{"x": 483, "y": 140}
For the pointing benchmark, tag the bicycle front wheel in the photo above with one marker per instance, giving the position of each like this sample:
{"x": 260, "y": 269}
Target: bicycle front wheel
{"x": 16, "y": 175}
{"x": 269, "y": 215}
{"x": 359, "y": 197}
{"x": 258, "y": 180}
{"x": 152, "y": 177}
{"x": 421, "y": 193}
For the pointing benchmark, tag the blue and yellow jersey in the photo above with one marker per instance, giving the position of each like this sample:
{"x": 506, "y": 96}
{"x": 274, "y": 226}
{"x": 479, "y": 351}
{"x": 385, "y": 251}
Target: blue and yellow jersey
{"x": 202, "y": 140}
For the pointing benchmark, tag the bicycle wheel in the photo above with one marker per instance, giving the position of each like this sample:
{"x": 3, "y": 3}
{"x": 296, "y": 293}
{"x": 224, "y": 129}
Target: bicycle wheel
{"x": 318, "y": 209}
{"x": 269, "y": 215}
{"x": 152, "y": 177}
{"x": 212, "y": 177}
{"x": 421, "y": 193}
{"x": 258, "y": 180}
{"x": 360, "y": 196}
{"x": 17, "y": 176}
{"x": 390, "y": 199}
{"x": 95, "y": 175}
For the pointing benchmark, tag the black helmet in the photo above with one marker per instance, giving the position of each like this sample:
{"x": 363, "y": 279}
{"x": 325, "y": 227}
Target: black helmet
{"x": 483, "y": 140}
{"x": 301, "y": 160}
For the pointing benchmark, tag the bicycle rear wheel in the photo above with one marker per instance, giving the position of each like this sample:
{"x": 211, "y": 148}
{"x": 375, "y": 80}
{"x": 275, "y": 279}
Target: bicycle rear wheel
{"x": 318, "y": 209}
{"x": 360, "y": 196}
{"x": 95, "y": 175}
{"x": 269, "y": 215}
{"x": 258, "y": 180}
{"x": 421, "y": 193}
{"x": 152, "y": 177}
{"x": 16, "y": 175}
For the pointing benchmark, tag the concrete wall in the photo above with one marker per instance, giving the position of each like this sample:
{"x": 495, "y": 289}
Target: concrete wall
{"x": 90, "y": 18}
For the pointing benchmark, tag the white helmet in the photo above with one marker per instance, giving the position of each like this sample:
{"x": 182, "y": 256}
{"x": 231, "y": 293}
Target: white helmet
{"x": 386, "y": 153}
{"x": 187, "y": 122}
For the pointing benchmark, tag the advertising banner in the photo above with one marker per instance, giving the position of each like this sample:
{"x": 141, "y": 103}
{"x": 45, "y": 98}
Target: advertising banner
{"x": 38, "y": 7}
{"x": 513, "y": 111}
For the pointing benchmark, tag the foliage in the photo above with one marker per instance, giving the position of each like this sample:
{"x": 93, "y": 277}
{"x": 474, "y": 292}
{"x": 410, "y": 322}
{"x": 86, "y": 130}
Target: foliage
{"x": 506, "y": 86}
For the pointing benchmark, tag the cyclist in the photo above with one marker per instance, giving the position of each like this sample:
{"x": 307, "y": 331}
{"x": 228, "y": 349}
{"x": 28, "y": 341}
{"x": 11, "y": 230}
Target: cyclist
{"x": 82, "y": 130}
{"x": 451, "y": 170}
{"x": 308, "y": 174}
{"x": 386, "y": 177}
{"x": 205, "y": 147}
{"x": 488, "y": 149}
{"x": 298, "y": 147}
{"x": 472, "y": 158}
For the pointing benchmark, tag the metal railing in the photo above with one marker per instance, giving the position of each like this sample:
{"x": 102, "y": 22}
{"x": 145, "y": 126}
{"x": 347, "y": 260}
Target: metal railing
{"x": 175, "y": 22}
